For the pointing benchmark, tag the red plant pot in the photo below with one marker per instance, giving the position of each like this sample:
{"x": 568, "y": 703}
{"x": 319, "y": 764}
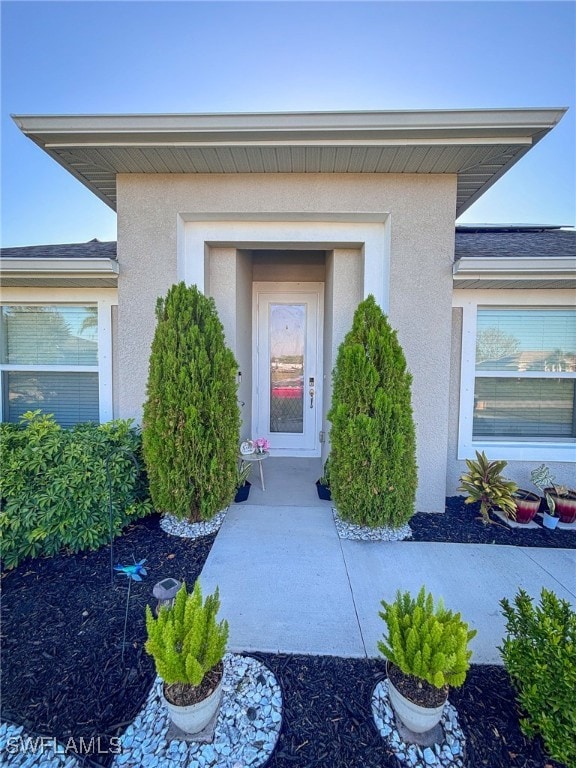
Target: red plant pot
{"x": 566, "y": 508}
{"x": 527, "y": 504}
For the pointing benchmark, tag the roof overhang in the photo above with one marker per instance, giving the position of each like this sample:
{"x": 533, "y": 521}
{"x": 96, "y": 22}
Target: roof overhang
{"x": 478, "y": 146}
{"x": 86, "y": 272}
{"x": 515, "y": 272}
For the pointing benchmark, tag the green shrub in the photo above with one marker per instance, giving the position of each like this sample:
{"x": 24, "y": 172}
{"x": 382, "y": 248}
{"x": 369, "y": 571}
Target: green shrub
{"x": 373, "y": 455}
{"x": 426, "y": 641}
{"x": 191, "y": 416}
{"x": 539, "y": 653}
{"x": 54, "y": 487}
{"x": 185, "y": 640}
{"x": 484, "y": 483}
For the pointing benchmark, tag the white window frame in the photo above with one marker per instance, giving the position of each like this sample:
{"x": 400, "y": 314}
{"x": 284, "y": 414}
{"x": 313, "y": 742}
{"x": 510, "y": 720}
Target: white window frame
{"x": 511, "y": 450}
{"x": 104, "y": 299}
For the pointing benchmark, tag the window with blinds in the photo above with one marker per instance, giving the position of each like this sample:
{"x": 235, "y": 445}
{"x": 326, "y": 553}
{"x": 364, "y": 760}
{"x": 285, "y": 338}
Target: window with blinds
{"x": 49, "y": 361}
{"x": 525, "y": 374}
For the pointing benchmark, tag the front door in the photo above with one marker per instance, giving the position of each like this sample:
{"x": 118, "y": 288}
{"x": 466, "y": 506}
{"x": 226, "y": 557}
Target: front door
{"x": 288, "y": 367}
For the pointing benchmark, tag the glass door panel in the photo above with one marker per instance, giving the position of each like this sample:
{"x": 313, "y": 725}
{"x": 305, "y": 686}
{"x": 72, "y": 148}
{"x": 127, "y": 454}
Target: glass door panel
{"x": 287, "y": 337}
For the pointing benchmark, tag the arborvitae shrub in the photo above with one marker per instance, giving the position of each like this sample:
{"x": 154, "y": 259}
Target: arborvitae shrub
{"x": 373, "y": 446}
{"x": 191, "y": 416}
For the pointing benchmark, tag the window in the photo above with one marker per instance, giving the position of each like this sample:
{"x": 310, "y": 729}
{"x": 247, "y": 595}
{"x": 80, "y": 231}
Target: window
{"x": 518, "y": 382}
{"x": 50, "y": 361}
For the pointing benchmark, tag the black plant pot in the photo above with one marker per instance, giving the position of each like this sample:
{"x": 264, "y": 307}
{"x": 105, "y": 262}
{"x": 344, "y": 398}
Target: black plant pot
{"x": 242, "y": 492}
{"x": 323, "y": 491}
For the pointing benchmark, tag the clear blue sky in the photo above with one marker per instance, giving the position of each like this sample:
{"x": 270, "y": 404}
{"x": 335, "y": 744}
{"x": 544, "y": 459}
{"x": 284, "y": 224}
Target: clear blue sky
{"x": 121, "y": 57}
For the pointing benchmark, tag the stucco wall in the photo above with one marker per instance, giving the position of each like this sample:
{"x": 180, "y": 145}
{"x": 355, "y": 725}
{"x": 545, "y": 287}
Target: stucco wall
{"x": 421, "y": 220}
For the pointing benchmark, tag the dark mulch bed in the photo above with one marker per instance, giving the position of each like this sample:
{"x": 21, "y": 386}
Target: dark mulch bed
{"x": 62, "y": 628}
{"x": 63, "y": 673}
{"x": 460, "y": 523}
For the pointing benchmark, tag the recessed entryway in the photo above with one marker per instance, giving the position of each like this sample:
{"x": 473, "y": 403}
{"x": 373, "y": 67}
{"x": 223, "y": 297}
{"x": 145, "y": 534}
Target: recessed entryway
{"x": 289, "y": 482}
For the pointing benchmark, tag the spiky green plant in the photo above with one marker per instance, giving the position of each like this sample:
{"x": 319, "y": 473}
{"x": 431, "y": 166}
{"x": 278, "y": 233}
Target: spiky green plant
{"x": 191, "y": 415}
{"x": 484, "y": 483}
{"x": 185, "y": 640}
{"x": 426, "y": 640}
{"x": 373, "y": 445}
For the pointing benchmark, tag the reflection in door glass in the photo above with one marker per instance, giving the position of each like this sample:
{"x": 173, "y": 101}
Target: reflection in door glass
{"x": 287, "y": 335}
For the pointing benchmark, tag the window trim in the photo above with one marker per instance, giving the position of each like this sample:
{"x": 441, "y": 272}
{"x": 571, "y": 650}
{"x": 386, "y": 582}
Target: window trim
{"x": 104, "y": 299}
{"x": 511, "y": 450}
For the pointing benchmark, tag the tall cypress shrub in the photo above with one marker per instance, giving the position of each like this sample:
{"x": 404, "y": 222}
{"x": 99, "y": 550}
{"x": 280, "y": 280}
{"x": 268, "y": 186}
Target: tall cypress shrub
{"x": 191, "y": 415}
{"x": 373, "y": 446}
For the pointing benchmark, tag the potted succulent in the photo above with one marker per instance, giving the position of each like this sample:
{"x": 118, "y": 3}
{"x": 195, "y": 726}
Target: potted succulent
{"x": 544, "y": 481}
{"x": 323, "y": 483}
{"x": 527, "y": 504}
{"x": 427, "y": 651}
{"x": 242, "y": 484}
{"x": 485, "y": 483}
{"x": 188, "y": 646}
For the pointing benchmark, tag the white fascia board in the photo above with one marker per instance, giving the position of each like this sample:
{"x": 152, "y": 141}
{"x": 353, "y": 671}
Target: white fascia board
{"x": 490, "y": 268}
{"x": 490, "y": 123}
{"x": 82, "y": 267}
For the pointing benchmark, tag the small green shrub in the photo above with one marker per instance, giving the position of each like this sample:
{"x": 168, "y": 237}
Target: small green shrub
{"x": 539, "y": 653}
{"x": 54, "y": 487}
{"x": 373, "y": 473}
{"x": 185, "y": 640}
{"x": 484, "y": 483}
{"x": 425, "y": 640}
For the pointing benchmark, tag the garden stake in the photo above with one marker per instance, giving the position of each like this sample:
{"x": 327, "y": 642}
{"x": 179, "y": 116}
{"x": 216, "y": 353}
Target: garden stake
{"x": 134, "y": 573}
{"x": 110, "y": 510}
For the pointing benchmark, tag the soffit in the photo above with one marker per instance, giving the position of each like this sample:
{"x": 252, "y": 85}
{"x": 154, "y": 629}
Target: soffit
{"x": 478, "y": 146}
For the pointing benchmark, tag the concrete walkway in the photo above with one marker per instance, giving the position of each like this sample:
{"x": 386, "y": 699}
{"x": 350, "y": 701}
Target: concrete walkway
{"x": 288, "y": 584}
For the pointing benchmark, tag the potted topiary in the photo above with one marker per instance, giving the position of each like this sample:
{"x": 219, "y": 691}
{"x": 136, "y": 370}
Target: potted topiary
{"x": 191, "y": 416}
{"x": 373, "y": 473}
{"x": 323, "y": 483}
{"x": 427, "y": 651}
{"x": 484, "y": 483}
{"x": 188, "y": 646}
{"x": 242, "y": 484}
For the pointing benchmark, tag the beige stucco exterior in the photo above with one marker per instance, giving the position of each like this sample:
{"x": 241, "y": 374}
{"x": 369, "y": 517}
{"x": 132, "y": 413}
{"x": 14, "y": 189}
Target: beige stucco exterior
{"x": 419, "y": 211}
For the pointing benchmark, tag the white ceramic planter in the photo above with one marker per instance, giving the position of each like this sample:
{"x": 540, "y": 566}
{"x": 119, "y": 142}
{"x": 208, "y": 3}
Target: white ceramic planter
{"x": 549, "y": 521}
{"x": 195, "y": 717}
{"x": 418, "y": 719}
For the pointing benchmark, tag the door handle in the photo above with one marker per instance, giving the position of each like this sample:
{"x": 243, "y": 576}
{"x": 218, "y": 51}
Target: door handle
{"x": 311, "y": 397}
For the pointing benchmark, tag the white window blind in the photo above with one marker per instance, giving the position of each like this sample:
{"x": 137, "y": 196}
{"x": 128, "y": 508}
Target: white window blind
{"x": 525, "y": 374}
{"x": 49, "y": 360}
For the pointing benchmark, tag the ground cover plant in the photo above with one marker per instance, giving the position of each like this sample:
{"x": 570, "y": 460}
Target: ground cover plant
{"x": 373, "y": 444}
{"x": 62, "y": 671}
{"x": 55, "y": 485}
{"x": 191, "y": 415}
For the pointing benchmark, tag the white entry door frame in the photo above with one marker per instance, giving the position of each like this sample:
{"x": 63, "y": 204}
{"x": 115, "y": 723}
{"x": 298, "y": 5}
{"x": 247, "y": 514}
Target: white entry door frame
{"x": 287, "y": 366}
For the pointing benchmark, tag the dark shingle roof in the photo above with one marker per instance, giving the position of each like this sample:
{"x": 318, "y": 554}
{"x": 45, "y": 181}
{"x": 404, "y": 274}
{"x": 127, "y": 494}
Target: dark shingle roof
{"x": 471, "y": 241}
{"x": 535, "y": 242}
{"x": 91, "y": 250}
